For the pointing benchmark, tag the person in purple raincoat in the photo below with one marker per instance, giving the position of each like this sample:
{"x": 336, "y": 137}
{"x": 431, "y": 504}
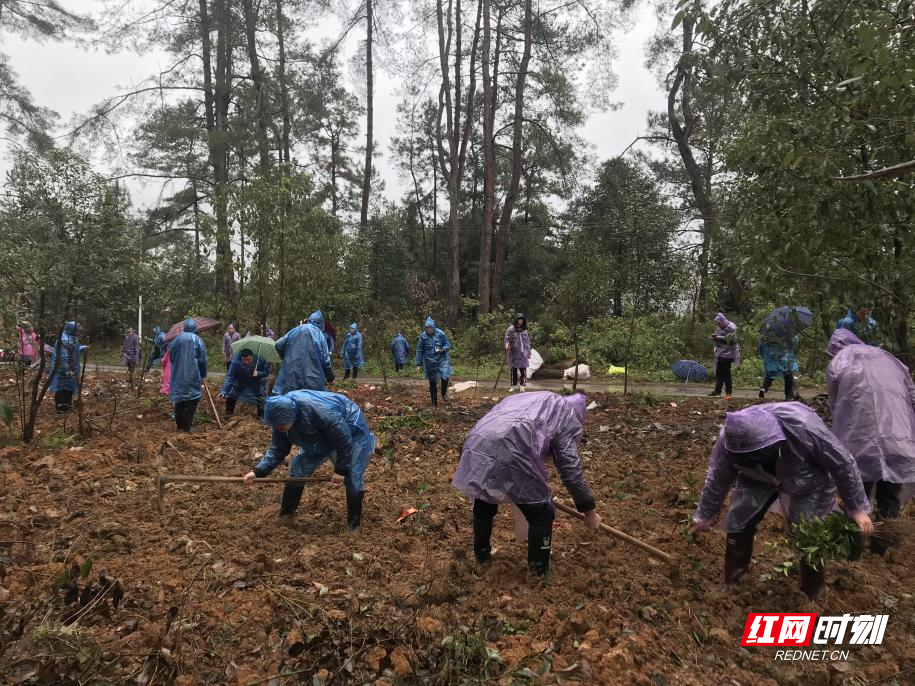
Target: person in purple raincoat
{"x": 872, "y": 399}
{"x": 727, "y": 354}
{"x": 504, "y": 461}
{"x": 778, "y": 452}
{"x": 228, "y": 338}
{"x": 518, "y": 351}
{"x": 130, "y": 353}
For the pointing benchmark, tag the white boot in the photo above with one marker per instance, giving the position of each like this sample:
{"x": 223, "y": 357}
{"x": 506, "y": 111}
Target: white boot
{"x": 512, "y": 389}
{"x": 523, "y": 388}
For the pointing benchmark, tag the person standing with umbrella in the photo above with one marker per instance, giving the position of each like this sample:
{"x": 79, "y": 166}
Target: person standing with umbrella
{"x": 352, "y": 352}
{"x": 247, "y": 380}
{"x": 130, "y": 353}
{"x": 228, "y": 338}
{"x": 188, "y": 361}
{"x": 306, "y": 362}
{"x": 778, "y": 341}
{"x": 727, "y": 353}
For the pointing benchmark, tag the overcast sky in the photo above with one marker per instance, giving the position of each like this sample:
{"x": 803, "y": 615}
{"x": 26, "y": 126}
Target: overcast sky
{"x": 69, "y": 80}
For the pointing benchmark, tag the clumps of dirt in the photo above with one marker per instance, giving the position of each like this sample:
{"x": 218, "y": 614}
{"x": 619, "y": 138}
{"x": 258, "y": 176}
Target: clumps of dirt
{"x": 216, "y": 590}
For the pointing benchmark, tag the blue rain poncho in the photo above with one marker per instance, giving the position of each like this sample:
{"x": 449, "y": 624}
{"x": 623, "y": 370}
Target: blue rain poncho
{"x": 351, "y": 352}
{"x": 188, "y": 361}
{"x": 241, "y": 383}
{"x": 867, "y": 332}
{"x": 158, "y": 345}
{"x": 779, "y": 355}
{"x": 306, "y": 361}
{"x": 64, "y": 369}
{"x": 325, "y": 426}
{"x": 432, "y": 353}
{"x": 812, "y": 464}
{"x": 400, "y": 349}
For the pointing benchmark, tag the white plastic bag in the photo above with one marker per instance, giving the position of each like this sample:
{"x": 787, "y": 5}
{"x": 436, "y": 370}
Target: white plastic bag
{"x": 463, "y": 386}
{"x": 584, "y": 372}
{"x": 534, "y": 362}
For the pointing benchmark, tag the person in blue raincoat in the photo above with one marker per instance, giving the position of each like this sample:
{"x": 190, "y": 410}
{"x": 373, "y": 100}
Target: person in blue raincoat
{"x": 188, "y": 367}
{"x": 158, "y": 348}
{"x": 862, "y": 324}
{"x": 63, "y": 373}
{"x": 434, "y": 359}
{"x": 246, "y": 379}
{"x": 352, "y": 352}
{"x": 306, "y": 362}
{"x": 400, "y": 350}
{"x": 779, "y": 359}
{"x": 325, "y": 426}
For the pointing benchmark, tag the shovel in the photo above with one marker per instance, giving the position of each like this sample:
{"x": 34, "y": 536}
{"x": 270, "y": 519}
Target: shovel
{"x": 651, "y": 550}
{"x": 189, "y": 479}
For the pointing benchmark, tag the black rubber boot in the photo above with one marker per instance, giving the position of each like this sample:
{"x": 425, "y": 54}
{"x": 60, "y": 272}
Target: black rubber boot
{"x": 738, "y": 552}
{"x": 483, "y": 514}
{"x": 433, "y": 393}
{"x": 444, "y": 389}
{"x": 539, "y": 541}
{"x": 354, "y": 509}
{"x": 292, "y": 494}
{"x": 230, "y": 406}
{"x": 813, "y": 582}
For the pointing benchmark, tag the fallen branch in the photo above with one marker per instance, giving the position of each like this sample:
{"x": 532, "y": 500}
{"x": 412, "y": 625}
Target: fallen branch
{"x": 895, "y": 170}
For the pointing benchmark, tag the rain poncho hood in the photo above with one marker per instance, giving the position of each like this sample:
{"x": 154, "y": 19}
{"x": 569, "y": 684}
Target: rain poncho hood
{"x": 518, "y": 342}
{"x": 841, "y": 339}
{"x": 872, "y": 398}
{"x": 751, "y": 429}
{"x": 722, "y": 321}
{"x": 324, "y": 426}
{"x": 240, "y": 381}
{"x": 64, "y": 365}
{"x": 306, "y": 360}
{"x": 352, "y": 351}
{"x": 433, "y": 353}
{"x": 188, "y": 364}
{"x": 812, "y": 464}
{"x": 520, "y": 315}
{"x": 504, "y": 456}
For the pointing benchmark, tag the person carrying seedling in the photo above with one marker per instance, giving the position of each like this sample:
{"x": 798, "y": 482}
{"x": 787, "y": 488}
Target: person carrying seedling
{"x": 130, "y": 353}
{"x": 400, "y": 350}
{"x": 434, "y": 359}
{"x": 247, "y": 380}
{"x": 780, "y": 452}
{"x": 727, "y": 353}
{"x": 325, "y": 426}
{"x": 351, "y": 352}
{"x": 518, "y": 350}
{"x": 188, "y": 368}
{"x": 872, "y": 399}
{"x": 64, "y": 367}
{"x": 158, "y": 350}
{"x": 306, "y": 361}
{"x": 504, "y": 461}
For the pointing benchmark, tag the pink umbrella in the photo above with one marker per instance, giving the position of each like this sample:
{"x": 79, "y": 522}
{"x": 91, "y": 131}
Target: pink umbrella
{"x": 203, "y": 324}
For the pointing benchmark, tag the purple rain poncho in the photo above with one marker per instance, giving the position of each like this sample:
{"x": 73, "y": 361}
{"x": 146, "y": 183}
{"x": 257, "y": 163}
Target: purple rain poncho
{"x": 812, "y": 463}
{"x": 725, "y": 340}
{"x": 518, "y": 343}
{"x": 504, "y": 456}
{"x": 130, "y": 350}
{"x": 872, "y": 399}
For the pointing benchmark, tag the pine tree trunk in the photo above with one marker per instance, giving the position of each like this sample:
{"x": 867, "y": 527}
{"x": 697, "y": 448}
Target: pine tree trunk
{"x": 257, "y": 79}
{"x": 284, "y": 86}
{"x": 489, "y": 164}
{"x": 369, "y": 114}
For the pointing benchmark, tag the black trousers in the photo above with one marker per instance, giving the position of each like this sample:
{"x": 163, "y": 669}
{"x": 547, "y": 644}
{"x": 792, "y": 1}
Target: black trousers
{"x": 232, "y": 402}
{"x": 723, "y": 376}
{"x": 346, "y": 373}
{"x": 519, "y": 375}
{"x": 63, "y": 400}
{"x": 398, "y": 366}
{"x": 153, "y": 356}
{"x": 539, "y": 518}
{"x": 433, "y": 390}
{"x": 887, "y": 498}
{"x": 789, "y": 384}
{"x": 184, "y": 414}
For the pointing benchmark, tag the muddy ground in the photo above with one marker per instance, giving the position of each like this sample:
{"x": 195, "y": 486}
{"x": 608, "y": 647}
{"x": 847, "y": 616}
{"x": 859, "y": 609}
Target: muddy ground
{"x": 98, "y": 587}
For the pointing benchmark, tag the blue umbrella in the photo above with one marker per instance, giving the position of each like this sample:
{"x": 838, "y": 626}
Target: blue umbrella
{"x": 685, "y": 370}
{"x": 785, "y": 322}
